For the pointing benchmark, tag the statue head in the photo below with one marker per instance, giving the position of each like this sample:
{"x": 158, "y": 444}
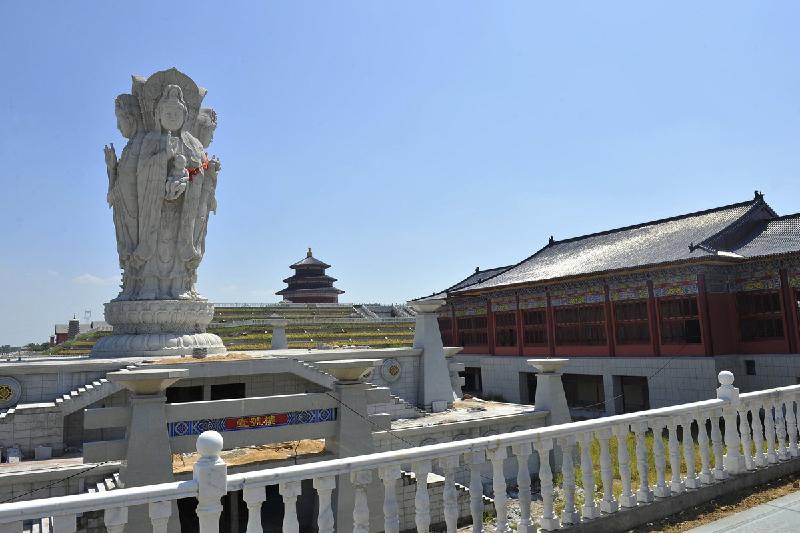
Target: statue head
{"x": 205, "y": 125}
{"x": 171, "y": 112}
{"x": 128, "y": 115}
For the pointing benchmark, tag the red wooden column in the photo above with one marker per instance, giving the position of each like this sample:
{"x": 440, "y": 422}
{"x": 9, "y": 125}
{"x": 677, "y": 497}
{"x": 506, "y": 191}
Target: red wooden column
{"x": 551, "y": 327}
{"x": 789, "y": 310}
{"x": 652, "y": 313}
{"x": 611, "y": 340}
{"x": 490, "y": 325}
{"x": 454, "y": 325}
{"x": 705, "y": 318}
{"x": 520, "y": 327}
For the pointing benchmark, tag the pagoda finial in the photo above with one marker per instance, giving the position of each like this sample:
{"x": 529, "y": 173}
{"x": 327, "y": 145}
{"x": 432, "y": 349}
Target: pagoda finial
{"x": 309, "y": 252}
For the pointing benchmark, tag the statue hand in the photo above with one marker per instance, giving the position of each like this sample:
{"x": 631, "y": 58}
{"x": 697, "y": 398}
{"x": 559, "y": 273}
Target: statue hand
{"x": 111, "y": 156}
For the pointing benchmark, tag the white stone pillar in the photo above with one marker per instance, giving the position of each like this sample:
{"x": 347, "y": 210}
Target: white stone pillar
{"x": 279, "y": 340}
{"x": 148, "y": 459}
{"x": 733, "y": 460}
{"x": 550, "y": 390}
{"x": 435, "y": 388}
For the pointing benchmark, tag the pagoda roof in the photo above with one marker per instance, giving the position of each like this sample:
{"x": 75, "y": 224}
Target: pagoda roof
{"x": 309, "y": 261}
{"x": 322, "y": 277}
{"x": 300, "y": 291}
{"x": 716, "y": 232}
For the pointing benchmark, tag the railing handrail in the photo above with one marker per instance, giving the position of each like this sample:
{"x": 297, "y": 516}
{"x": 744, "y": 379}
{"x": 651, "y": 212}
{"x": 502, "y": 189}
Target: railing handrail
{"x": 95, "y": 501}
{"x": 334, "y": 467}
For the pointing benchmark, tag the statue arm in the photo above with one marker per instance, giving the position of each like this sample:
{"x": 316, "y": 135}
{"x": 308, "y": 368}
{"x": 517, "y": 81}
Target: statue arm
{"x": 111, "y": 170}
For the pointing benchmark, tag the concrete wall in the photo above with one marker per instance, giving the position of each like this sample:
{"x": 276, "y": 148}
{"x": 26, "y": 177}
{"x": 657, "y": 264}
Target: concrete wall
{"x": 671, "y": 381}
{"x": 256, "y": 385}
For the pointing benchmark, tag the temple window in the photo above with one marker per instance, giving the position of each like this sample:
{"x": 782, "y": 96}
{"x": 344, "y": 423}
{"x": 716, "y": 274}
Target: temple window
{"x": 632, "y": 322}
{"x": 680, "y": 323}
{"x": 760, "y": 315}
{"x": 446, "y": 329}
{"x": 534, "y": 323}
{"x": 580, "y": 325}
{"x": 505, "y": 328}
{"x": 472, "y": 331}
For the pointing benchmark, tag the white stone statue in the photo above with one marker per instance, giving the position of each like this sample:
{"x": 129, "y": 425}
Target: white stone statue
{"x": 161, "y": 191}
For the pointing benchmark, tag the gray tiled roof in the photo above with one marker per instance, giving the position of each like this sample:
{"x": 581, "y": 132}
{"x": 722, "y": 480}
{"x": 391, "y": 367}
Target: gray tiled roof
{"x": 661, "y": 241}
{"x": 777, "y": 236}
{"x": 476, "y": 277}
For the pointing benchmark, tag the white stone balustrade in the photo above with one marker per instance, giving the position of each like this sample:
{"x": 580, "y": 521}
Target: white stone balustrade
{"x": 744, "y": 437}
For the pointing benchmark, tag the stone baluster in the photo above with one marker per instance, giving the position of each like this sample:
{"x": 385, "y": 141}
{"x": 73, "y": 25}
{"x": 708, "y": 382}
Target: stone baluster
{"x": 115, "y": 519}
{"x": 253, "y": 497}
{"x": 691, "y": 481}
{"x": 391, "y": 510}
{"x": 733, "y": 461}
{"x": 325, "y": 521}
{"x": 791, "y": 427}
{"x": 361, "y": 481}
{"x": 422, "y": 504}
{"x": 758, "y": 435}
{"x": 716, "y": 441}
{"x": 676, "y": 483}
{"x": 569, "y": 515}
{"x": 662, "y": 489}
{"x": 644, "y": 494}
{"x": 744, "y": 430}
{"x": 450, "y": 497}
{"x": 210, "y": 472}
{"x": 609, "y": 503}
{"x": 626, "y": 498}
{"x": 780, "y": 428}
{"x": 769, "y": 430}
{"x": 497, "y": 456}
{"x": 548, "y": 522}
{"x": 65, "y": 523}
{"x": 159, "y": 515}
{"x": 289, "y": 491}
{"x": 475, "y": 460}
{"x": 523, "y": 452}
{"x": 706, "y": 477}
{"x": 590, "y": 510}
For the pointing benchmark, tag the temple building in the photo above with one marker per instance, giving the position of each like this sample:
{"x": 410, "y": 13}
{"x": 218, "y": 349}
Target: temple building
{"x": 643, "y": 312}
{"x": 310, "y": 284}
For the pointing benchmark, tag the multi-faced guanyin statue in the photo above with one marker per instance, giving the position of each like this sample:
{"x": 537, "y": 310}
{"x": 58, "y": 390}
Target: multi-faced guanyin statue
{"x": 162, "y": 190}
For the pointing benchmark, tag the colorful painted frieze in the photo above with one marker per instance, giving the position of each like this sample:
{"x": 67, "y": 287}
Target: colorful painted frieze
{"x": 756, "y": 278}
{"x": 471, "y": 307}
{"x": 532, "y": 300}
{"x": 591, "y": 294}
{"x": 675, "y": 284}
{"x": 504, "y": 302}
{"x": 628, "y": 289}
{"x": 240, "y": 423}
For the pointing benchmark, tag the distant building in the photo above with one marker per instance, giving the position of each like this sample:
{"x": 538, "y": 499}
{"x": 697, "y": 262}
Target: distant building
{"x": 310, "y": 284}
{"x": 65, "y": 332}
{"x": 647, "y": 314}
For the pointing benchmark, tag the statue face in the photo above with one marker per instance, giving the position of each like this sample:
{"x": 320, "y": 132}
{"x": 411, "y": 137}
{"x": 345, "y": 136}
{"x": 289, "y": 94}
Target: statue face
{"x": 206, "y": 135}
{"x": 125, "y": 125}
{"x": 171, "y": 117}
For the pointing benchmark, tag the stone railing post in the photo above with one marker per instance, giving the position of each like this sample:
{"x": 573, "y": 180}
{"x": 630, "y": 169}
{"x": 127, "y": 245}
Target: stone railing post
{"x": 148, "y": 459}
{"x": 435, "y": 387}
{"x": 733, "y": 460}
{"x": 211, "y": 473}
{"x": 279, "y": 340}
{"x": 550, "y": 390}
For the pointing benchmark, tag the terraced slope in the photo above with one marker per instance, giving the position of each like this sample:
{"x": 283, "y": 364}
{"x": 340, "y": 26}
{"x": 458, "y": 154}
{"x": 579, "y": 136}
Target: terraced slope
{"x": 309, "y": 327}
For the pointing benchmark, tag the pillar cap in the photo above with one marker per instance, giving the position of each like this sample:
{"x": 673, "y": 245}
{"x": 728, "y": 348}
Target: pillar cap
{"x": 276, "y": 321}
{"x": 547, "y": 366}
{"x": 426, "y": 306}
{"x": 348, "y": 369}
{"x": 147, "y": 381}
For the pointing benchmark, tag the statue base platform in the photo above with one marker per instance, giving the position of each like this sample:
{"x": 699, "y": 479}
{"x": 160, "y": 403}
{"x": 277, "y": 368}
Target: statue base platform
{"x": 144, "y": 328}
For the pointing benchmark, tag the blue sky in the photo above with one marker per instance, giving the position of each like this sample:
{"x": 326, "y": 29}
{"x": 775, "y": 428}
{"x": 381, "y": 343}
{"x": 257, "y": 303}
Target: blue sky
{"x": 406, "y": 142}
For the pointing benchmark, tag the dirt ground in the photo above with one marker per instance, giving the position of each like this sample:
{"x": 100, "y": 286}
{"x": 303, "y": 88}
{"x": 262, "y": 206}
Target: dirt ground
{"x": 724, "y": 506}
{"x": 257, "y": 454}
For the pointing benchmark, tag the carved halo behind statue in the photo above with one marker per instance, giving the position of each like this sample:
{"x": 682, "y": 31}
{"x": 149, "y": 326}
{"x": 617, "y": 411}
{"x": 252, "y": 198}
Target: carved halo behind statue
{"x": 161, "y": 190}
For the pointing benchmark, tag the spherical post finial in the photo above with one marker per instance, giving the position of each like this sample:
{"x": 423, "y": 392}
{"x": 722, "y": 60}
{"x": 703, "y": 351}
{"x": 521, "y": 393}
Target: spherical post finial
{"x": 209, "y": 444}
{"x": 725, "y": 378}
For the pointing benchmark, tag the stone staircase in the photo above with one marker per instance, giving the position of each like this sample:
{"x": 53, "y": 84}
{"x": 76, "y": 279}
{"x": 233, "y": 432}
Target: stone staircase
{"x": 85, "y": 396}
{"x": 397, "y": 408}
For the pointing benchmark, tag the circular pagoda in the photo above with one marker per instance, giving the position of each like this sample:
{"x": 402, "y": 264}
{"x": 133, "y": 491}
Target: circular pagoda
{"x": 310, "y": 284}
